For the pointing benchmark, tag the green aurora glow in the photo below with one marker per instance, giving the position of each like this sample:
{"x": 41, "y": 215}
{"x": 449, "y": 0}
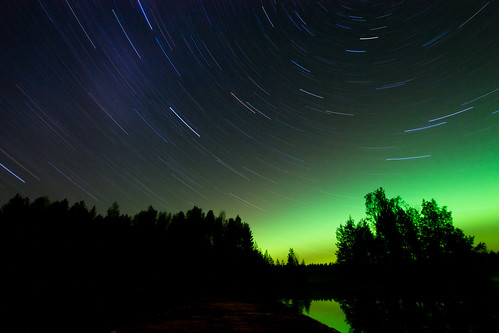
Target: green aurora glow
{"x": 342, "y": 92}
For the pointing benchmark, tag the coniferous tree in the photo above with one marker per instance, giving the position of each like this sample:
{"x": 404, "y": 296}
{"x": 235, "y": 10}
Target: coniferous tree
{"x": 292, "y": 258}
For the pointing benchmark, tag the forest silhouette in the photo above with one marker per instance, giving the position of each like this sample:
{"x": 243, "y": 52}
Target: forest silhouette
{"x": 394, "y": 233}
{"x": 67, "y": 264}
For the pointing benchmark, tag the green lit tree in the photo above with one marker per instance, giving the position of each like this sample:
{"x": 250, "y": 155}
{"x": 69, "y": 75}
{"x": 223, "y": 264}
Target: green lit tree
{"x": 355, "y": 243}
{"x": 292, "y": 258}
{"x": 395, "y": 233}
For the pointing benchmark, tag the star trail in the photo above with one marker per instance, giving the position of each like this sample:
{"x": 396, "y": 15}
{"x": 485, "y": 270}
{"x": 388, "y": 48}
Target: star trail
{"x": 284, "y": 112}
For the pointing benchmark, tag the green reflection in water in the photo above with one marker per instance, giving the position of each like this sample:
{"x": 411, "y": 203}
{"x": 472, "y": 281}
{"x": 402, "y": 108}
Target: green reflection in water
{"x": 329, "y": 313}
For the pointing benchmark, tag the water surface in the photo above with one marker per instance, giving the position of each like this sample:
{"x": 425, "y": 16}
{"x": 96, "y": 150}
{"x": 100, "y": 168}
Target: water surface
{"x": 330, "y": 313}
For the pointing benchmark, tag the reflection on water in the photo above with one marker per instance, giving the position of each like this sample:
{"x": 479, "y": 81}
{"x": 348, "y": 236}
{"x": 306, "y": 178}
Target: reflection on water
{"x": 437, "y": 313}
{"x": 329, "y": 312}
{"x": 461, "y": 311}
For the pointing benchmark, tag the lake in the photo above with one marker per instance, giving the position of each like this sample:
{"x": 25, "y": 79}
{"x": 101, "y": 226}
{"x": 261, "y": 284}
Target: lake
{"x": 466, "y": 310}
{"x": 330, "y": 313}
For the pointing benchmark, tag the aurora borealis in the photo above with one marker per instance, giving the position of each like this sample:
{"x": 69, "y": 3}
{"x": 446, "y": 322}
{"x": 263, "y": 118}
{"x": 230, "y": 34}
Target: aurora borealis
{"x": 284, "y": 112}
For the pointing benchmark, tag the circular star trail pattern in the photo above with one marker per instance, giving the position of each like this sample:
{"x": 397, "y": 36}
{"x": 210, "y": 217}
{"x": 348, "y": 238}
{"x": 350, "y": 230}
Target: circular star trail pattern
{"x": 284, "y": 112}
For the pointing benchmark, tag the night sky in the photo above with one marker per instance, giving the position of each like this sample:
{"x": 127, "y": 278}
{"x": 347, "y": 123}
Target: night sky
{"x": 284, "y": 112}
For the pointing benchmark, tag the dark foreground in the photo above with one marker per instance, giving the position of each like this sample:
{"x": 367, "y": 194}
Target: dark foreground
{"x": 229, "y": 316}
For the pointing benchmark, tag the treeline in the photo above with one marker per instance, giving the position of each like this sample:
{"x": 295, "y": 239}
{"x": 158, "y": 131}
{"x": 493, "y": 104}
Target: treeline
{"x": 399, "y": 248}
{"x": 408, "y": 269}
{"x": 67, "y": 264}
{"x": 395, "y": 233}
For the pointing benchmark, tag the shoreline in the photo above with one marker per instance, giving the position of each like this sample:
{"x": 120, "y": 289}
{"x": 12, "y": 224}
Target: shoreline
{"x": 229, "y": 316}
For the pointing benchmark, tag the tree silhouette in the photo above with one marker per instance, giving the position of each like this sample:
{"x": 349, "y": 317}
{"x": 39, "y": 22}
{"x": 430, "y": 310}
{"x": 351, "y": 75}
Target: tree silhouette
{"x": 355, "y": 243}
{"x": 394, "y": 233}
{"x": 268, "y": 258}
{"x": 62, "y": 261}
{"x": 461, "y": 310}
{"x": 292, "y": 258}
{"x": 66, "y": 264}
